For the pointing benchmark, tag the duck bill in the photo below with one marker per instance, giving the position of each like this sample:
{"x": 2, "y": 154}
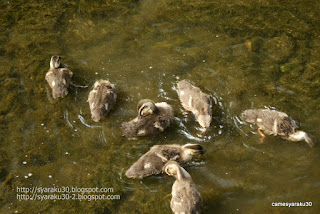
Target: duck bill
{"x": 203, "y": 151}
{"x": 310, "y": 141}
{"x": 203, "y": 131}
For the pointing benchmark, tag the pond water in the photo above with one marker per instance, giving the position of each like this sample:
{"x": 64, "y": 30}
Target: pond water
{"x": 245, "y": 54}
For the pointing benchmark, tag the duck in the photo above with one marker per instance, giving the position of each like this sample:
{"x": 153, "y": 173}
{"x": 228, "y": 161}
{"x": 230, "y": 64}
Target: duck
{"x": 194, "y": 100}
{"x": 101, "y": 99}
{"x": 152, "y": 118}
{"x": 185, "y": 196}
{"x": 59, "y": 78}
{"x": 152, "y": 162}
{"x": 277, "y": 123}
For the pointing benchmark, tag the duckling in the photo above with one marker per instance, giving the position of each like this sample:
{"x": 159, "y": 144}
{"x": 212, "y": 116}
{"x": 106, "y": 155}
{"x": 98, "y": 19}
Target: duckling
{"x": 59, "y": 78}
{"x": 152, "y": 162}
{"x": 194, "y": 100}
{"x": 102, "y": 99}
{"x": 152, "y": 118}
{"x": 185, "y": 196}
{"x": 273, "y": 122}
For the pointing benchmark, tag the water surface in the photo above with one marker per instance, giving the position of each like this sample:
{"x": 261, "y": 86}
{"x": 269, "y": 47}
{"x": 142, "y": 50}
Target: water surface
{"x": 245, "y": 54}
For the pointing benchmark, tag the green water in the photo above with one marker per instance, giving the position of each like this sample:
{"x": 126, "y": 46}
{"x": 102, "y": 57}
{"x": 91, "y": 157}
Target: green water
{"x": 245, "y": 54}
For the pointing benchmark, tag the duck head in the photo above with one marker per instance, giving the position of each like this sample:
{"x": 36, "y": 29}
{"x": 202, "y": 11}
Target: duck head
{"x": 190, "y": 149}
{"x": 300, "y": 136}
{"x": 172, "y": 168}
{"x": 204, "y": 121}
{"x": 55, "y": 62}
{"x": 146, "y": 107}
{"x": 203, "y": 112}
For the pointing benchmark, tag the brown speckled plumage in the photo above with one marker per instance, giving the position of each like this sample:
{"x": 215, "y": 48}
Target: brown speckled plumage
{"x": 273, "y": 122}
{"x": 194, "y": 100}
{"x": 270, "y": 121}
{"x": 152, "y": 119}
{"x": 101, "y": 99}
{"x": 58, "y": 77}
{"x": 185, "y": 196}
{"x": 152, "y": 162}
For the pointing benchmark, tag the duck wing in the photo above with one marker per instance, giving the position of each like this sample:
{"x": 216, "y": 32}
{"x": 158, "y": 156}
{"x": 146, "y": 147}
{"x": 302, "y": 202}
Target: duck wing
{"x": 59, "y": 81}
{"x": 188, "y": 95}
{"x": 141, "y": 126}
{"x": 275, "y": 122}
{"x": 101, "y": 101}
{"x": 185, "y": 198}
{"x": 152, "y": 162}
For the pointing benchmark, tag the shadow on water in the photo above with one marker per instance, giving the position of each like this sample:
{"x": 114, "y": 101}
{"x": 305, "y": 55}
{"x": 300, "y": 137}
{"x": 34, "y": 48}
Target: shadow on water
{"x": 245, "y": 54}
